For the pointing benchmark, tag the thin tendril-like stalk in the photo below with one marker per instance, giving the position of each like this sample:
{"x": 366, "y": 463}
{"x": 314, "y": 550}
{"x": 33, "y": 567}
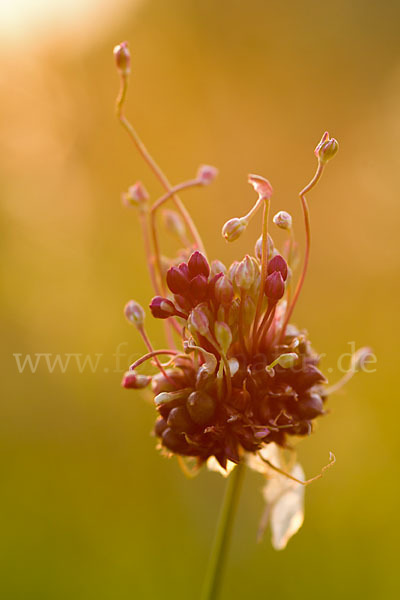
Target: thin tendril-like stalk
{"x": 222, "y": 538}
{"x": 152, "y": 163}
{"x": 149, "y": 355}
{"x": 242, "y": 338}
{"x": 182, "y": 186}
{"x": 264, "y": 264}
{"x": 306, "y": 213}
{"x": 151, "y": 349}
{"x": 150, "y": 263}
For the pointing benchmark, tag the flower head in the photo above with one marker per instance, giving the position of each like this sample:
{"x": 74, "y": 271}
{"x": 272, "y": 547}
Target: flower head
{"x": 241, "y": 381}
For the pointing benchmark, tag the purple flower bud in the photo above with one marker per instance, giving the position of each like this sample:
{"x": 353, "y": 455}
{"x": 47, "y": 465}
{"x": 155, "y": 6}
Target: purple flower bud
{"x": 206, "y": 174}
{"x": 134, "y": 313}
{"x": 198, "y": 265}
{"x": 177, "y": 280}
{"x": 278, "y": 264}
{"x": 122, "y": 58}
{"x": 261, "y": 185}
{"x": 162, "y": 308}
{"x": 134, "y": 381}
{"x": 223, "y": 291}
{"x": 274, "y": 286}
{"x": 310, "y": 406}
{"x": 198, "y": 287}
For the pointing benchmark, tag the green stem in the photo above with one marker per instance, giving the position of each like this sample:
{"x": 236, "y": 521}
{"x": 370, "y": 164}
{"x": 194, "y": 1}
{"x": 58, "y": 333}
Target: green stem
{"x": 223, "y": 534}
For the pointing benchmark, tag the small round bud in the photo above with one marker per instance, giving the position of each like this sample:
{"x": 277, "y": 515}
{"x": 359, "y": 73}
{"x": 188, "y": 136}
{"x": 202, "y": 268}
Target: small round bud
{"x": 160, "y": 426}
{"x": 173, "y": 441}
{"x": 162, "y": 308}
{"x": 223, "y": 291}
{"x": 198, "y": 320}
{"x": 274, "y": 286}
{"x": 134, "y": 381}
{"x": 326, "y": 149}
{"x": 173, "y": 223}
{"x": 198, "y": 287}
{"x": 261, "y": 185}
{"x": 198, "y": 265}
{"x": 310, "y": 406}
{"x": 245, "y": 273}
{"x": 201, "y": 407}
{"x": 234, "y": 228}
{"x": 223, "y": 335}
{"x": 283, "y": 220}
{"x": 134, "y": 313}
{"x": 180, "y": 421}
{"x": 122, "y": 58}
{"x": 206, "y": 174}
{"x": 278, "y": 264}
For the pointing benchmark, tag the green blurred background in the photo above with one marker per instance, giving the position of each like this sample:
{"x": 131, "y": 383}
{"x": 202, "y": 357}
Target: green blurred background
{"x": 89, "y": 509}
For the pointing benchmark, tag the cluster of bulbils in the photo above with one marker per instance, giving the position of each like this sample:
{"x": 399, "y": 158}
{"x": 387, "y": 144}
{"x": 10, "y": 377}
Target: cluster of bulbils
{"x": 244, "y": 376}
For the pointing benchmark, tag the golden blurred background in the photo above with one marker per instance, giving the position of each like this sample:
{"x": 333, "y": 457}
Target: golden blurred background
{"x": 89, "y": 509}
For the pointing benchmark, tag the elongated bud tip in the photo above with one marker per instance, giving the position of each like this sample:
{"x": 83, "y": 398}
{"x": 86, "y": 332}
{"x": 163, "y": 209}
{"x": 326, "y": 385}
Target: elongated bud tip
{"x": 283, "y": 220}
{"x": 278, "y": 264}
{"x": 233, "y": 229}
{"x": 136, "y": 195}
{"x": 134, "y": 313}
{"x": 261, "y": 185}
{"x": 326, "y": 149}
{"x": 122, "y": 58}
{"x": 223, "y": 291}
{"x": 134, "y": 381}
{"x": 206, "y": 174}
{"x": 245, "y": 273}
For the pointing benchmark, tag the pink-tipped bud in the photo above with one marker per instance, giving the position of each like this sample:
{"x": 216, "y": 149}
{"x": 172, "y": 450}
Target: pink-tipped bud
{"x": 326, "y": 149}
{"x": 162, "y": 308}
{"x": 198, "y": 265}
{"x": 223, "y": 291}
{"x": 283, "y": 220}
{"x": 134, "y": 313}
{"x": 278, "y": 264}
{"x": 274, "y": 286}
{"x": 122, "y": 58}
{"x": 223, "y": 335}
{"x": 198, "y": 320}
{"x": 218, "y": 267}
{"x": 136, "y": 195}
{"x": 134, "y": 381}
{"x": 233, "y": 229}
{"x": 261, "y": 185}
{"x": 178, "y": 279}
{"x": 258, "y": 247}
{"x": 206, "y": 174}
{"x": 245, "y": 273}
